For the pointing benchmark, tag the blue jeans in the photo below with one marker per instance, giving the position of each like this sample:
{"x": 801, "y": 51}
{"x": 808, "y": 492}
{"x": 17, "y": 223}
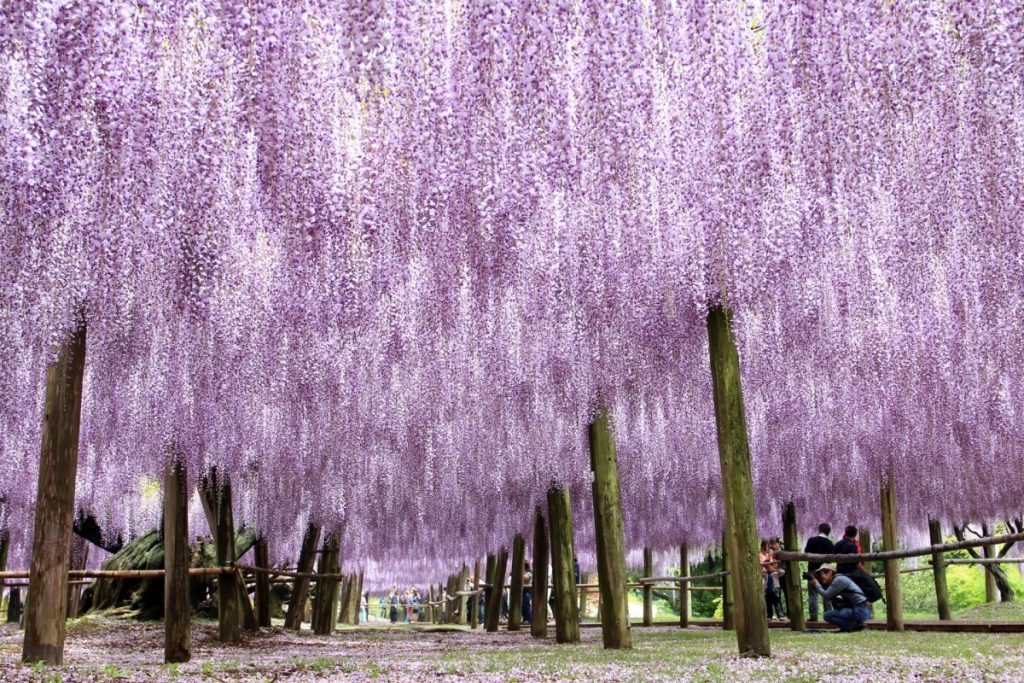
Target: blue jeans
{"x": 848, "y": 617}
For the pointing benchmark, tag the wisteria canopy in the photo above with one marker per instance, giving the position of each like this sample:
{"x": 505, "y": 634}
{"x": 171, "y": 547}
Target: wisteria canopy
{"x": 378, "y": 261}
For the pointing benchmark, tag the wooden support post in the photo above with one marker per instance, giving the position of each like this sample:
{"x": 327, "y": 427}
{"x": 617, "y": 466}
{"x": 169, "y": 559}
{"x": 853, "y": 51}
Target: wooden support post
{"x": 728, "y": 614}
{"x": 515, "y": 591}
{"x": 864, "y": 538}
{"x": 462, "y": 604}
{"x": 430, "y": 607}
{"x": 611, "y": 545}
{"x": 649, "y": 588}
{"x": 794, "y": 586}
{"x": 229, "y": 603}
{"x": 343, "y": 608}
{"x": 79, "y": 560}
{"x": 14, "y": 606}
{"x": 893, "y": 592}
{"x": 55, "y": 504}
{"x": 939, "y": 571}
{"x": 359, "y": 598}
{"x": 539, "y": 594}
{"x": 567, "y": 625}
{"x": 474, "y": 603}
{"x": 498, "y": 582}
{"x": 297, "y": 607}
{"x": 684, "y": 590}
{"x": 737, "y": 486}
{"x": 177, "y": 556}
{"x": 261, "y": 557}
{"x": 488, "y": 579}
{"x": 5, "y": 547}
{"x": 989, "y": 553}
{"x": 326, "y": 598}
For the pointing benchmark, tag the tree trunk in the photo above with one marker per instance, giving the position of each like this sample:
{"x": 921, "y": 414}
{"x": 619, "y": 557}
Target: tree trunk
{"x": 611, "y": 546}
{"x": 297, "y": 607}
{"x": 684, "y": 591}
{"x": 515, "y": 592}
{"x": 55, "y": 504}
{"x": 794, "y": 586}
{"x": 737, "y": 486}
{"x": 648, "y": 588}
{"x": 261, "y": 557}
{"x": 79, "y": 560}
{"x": 474, "y": 603}
{"x": 229, "y": 605}
{"x": 498, "y": 584}
{"x": 177, "y": 557}
{"x": 539, "y": 594}
{"x": 728, "y": 620}
{"x": 989, "y": 552}
{"x": 893, "y": 591}
{"x": 939, "y": 571}
{"x": 567, "y": 625}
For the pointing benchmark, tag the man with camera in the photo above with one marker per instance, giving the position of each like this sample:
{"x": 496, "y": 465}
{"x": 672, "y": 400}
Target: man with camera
{"x": 851, "y": 606}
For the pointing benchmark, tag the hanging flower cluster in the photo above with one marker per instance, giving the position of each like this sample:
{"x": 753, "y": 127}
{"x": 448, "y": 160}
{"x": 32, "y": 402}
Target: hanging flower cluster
{"x": 378, "y": 261}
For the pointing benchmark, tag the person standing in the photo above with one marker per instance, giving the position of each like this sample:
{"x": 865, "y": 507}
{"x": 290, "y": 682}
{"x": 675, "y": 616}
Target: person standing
{"x": 848, "y": 545}
{"x": 527, "y": 593}
{"x": 817, "y": 545}
{"x": 394, "y": 599}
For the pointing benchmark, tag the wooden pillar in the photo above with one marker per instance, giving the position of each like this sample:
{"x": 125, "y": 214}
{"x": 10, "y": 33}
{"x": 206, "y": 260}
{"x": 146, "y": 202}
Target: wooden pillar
{"x": 462, "y": 604}
{"x": 177, "y": 557}
{"x": 5, "y": 547}
{"x": 300, "y": 590}
{"x": 539, "y": 594}
{"x": 474, "y": 603}
{"x": 430, "y": 607}
{"x": 326, "y": 599}
{"x": 728, "y": 613}
{"x": 611, "y": 546}
{"x": 229, "y": 603}
{"x": 344, "y": 605}
{"x": 498, "y": 585}
{"x": 989, "y": 553}
{"x": 261, "y": 556}
{"x": 737, "y": 486}
{"x": 684, "y": 588}
{"x": 489, "y": 580}
{"x": 55, "y": 504}
{"x": 359, "y": 597}
{"x": 515, "y": 591}
{"x": 864, "y": 538}
{"x": 648, "y": 588}
{"x": 567, "y": 625}
{"x": 14, "y": 606}
{"x": 939, "y": 571}
{"x": 79, "y": 560}
{"x": 893, "y": 592}
{"x": 794, "y": 586}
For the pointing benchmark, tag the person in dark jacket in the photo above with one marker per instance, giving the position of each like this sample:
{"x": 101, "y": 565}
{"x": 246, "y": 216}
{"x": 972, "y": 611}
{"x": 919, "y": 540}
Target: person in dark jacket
{"x": 848, "y": 545}
{"x": 818, "y": 545}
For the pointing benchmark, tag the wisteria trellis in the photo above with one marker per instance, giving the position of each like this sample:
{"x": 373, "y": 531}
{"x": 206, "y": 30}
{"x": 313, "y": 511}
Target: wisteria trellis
{"x": 376, "y": 260}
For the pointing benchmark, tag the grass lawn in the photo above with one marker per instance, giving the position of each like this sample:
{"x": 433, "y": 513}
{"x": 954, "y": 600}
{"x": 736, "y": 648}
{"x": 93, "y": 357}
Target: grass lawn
{"x": 104, "y": 649}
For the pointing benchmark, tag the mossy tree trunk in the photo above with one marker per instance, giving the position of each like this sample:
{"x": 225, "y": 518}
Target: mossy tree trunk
{"x": 794, "y": 589}
{"x": 539, "y": 593}
{"x": 297, "y": 606}
{"x": 611, "y": 546}
{"x": 893, "y": 590}
{"x": 939, "y": 571}
{"x": 684, "y": 590}
{"x": 55, "y": 504}
{"x": 261, "y": 557}
{"x": 648, "y": 588}
{"x": 728, "y": 622}
{"x": 497, "y": 580}
{"x": 177, "y": 556}
{"x": 737, "y": 487}
{"x": 567, "y": 626}
{"x": 515, "y": 592}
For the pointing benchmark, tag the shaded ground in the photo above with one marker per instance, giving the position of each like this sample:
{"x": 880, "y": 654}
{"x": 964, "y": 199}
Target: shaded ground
{"x": 103, "y": 649}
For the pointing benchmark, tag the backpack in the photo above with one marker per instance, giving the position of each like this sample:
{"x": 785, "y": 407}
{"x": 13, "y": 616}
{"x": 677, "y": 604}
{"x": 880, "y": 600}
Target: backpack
{"x": 867, "y": 584}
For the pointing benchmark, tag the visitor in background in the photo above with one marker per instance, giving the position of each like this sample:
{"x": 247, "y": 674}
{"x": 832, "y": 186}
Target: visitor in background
{"x": 527, "y": 593}
{"x": 364, "y": 608}
{"x": 383, "y": 605}
{"x": 407, "y": 602}
{"x": 848, "y": 545}
{"x": 774, "y": 546}
{"x": 416, "y": 602}
{"x": 771, "y": 596}
{"x": 817, "y": 545}
{"x": 577, "y": 575}
{"x": 394, "y": 598}
{"x": 852, "y": 609}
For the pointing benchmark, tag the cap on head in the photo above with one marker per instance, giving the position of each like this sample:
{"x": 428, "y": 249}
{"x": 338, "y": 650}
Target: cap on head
{"x": 826, "y": 568}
